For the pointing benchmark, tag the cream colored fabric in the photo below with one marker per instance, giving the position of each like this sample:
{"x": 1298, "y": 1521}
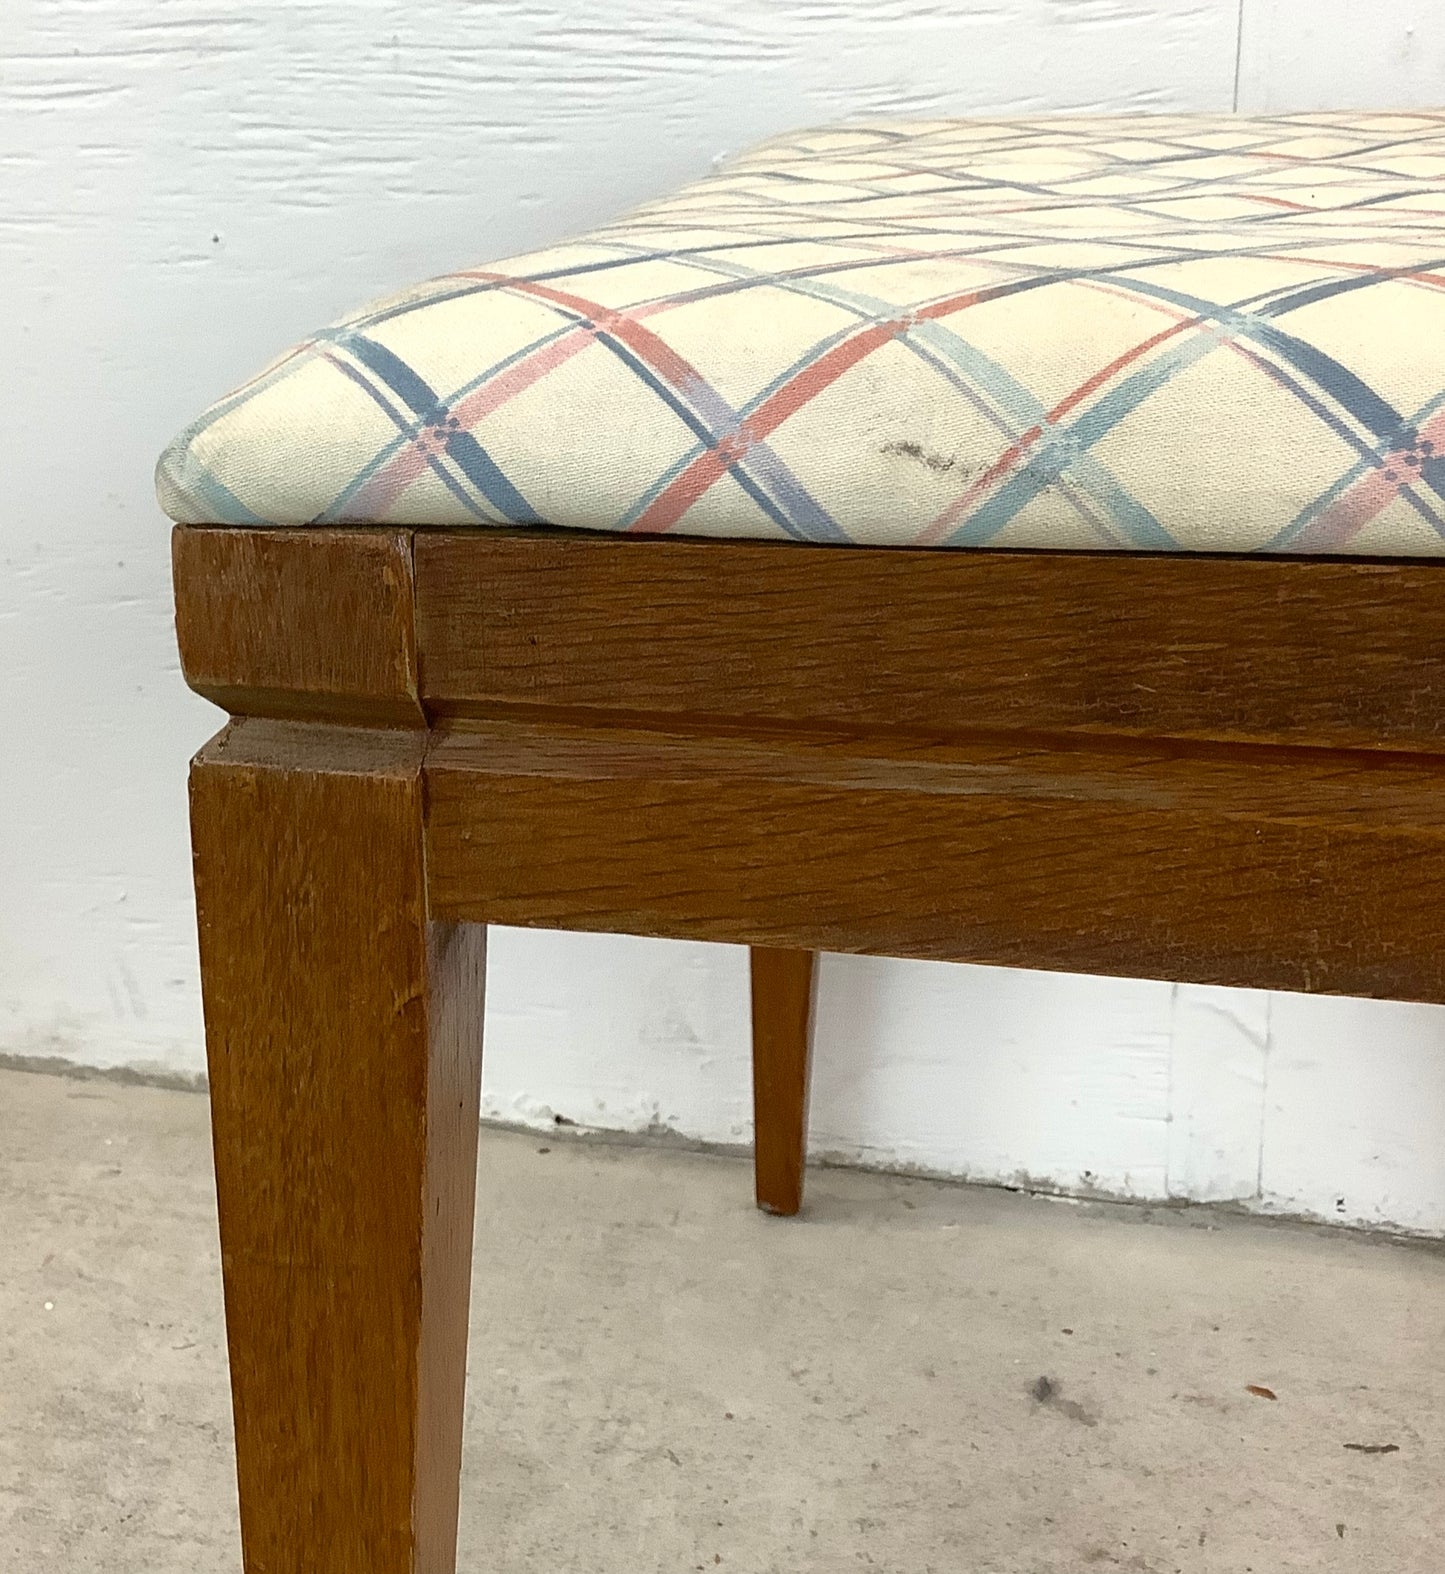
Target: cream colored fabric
{"x": 1204, "y": 334}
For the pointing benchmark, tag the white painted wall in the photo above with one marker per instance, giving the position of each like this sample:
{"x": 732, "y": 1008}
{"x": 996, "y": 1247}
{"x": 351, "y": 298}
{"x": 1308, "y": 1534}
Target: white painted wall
{"x": 188, "y": 185}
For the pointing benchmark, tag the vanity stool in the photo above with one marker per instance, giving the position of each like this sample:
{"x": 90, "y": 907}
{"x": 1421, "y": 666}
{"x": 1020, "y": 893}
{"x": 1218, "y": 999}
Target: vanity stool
{"x": 1178, "y": 386}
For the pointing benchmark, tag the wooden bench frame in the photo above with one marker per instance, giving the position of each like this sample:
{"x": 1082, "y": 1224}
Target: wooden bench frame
{"x": 1225, "y": 770}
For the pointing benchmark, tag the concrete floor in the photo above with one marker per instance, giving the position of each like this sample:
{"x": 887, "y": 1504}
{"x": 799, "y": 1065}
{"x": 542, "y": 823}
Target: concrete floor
{"x": 918, "y": 1378}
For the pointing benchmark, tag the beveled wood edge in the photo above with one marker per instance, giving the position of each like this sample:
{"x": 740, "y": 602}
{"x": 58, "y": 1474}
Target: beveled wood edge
{"x": 389, "y": 626}
{"x": 332, "y": 748}
{"x": 313, "y": 624}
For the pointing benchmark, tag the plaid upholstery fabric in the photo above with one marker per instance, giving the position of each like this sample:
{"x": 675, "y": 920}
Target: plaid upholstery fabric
{"x": 1201, "y": 334}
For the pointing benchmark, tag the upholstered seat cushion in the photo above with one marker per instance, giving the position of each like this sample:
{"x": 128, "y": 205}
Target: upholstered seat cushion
{"x": 1202, "y": 334}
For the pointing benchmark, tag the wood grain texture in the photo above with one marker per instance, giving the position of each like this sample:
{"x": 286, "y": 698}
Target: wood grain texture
{"x": 299, "y": 623}
{"x": 1303, "y": 651}
{"x": 783, "y": 984}
{"x": 343, "y": 1036}
{"x": 1287, "y": 869}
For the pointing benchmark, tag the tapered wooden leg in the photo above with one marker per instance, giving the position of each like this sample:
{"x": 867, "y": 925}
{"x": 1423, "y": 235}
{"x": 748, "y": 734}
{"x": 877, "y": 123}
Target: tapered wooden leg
{"x": 344, "y": 1039}
{"x": 782, "y": 987}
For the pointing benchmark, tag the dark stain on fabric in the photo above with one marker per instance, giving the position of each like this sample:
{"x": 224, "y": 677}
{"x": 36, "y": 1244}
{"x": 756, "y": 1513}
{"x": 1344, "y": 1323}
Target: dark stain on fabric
{"x": 940, "y": 464}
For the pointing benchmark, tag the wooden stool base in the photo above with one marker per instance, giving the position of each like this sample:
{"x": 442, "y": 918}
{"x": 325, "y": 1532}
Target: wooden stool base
{"x": 1207, "y": 769}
